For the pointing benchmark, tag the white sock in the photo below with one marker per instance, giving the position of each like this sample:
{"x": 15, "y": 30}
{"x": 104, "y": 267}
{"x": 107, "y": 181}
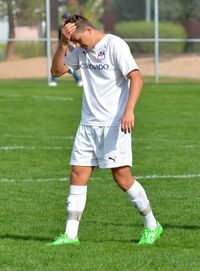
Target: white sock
{"x": 139, "y": 199}
{"x": 75, "y": 206}
{"x": 150, "y": 221}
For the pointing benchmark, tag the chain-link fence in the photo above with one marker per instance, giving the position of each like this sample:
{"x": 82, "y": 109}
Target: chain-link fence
{"x": 164, "y": 35}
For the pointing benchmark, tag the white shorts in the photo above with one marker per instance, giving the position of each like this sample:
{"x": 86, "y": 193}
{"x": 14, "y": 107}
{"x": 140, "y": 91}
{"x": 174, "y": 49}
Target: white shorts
{"x": 101, "y": 146}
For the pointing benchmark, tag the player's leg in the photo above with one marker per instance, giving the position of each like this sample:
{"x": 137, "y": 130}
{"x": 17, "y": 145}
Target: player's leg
{"x": 77, "y": 78}
{"x": 83, "y": 162}
{"x": 53, "y": 82}
{"x": 136, "y": 193}
{"x": 75, "y": 204}
{"x": 117, "y": 153}
{"x": 77, "y": 198}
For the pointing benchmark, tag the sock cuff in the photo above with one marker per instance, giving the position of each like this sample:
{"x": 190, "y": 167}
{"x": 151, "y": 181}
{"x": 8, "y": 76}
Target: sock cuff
{"x": 78, "y": 189}
{"x": 134, "y": 189}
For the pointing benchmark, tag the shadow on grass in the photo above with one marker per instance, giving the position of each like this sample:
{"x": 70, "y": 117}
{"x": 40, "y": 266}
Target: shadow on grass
{"x": 42, "y": 239}
{"x": 23, "y": 237}
{"x": 45, "y": 239}
{"x": 128, "y": 225}
{"x": 182, "y": 227}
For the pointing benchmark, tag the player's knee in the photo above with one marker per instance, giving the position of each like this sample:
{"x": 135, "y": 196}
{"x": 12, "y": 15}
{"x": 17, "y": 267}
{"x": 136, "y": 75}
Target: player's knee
{"x": 121, "y": 173}
{"x": 123, "y": 178}
{"x": 78, "y": 176}
{"x": 117, "y": 177}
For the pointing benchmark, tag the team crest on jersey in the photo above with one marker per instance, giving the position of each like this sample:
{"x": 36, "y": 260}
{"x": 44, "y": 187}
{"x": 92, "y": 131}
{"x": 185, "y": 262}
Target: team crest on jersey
{"x": 101, "y": 55}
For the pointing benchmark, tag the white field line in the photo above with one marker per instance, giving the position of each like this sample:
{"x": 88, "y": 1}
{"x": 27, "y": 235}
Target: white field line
{"x": 13, "y": 148}
{"x": 21, "y": 147}
{"x": 51, "y": 98}
{"x": 4, "y": 180}
{"x": 45, "y": 136}
{"x": 183, "y": 176}
{"x": 148, "y": 177}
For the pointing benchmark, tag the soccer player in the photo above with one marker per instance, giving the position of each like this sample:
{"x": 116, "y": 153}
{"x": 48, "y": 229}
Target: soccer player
{"x": 111, "y": 87}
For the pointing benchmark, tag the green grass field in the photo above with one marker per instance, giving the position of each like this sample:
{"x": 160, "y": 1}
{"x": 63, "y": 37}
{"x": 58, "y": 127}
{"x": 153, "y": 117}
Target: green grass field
{"x": 37, "y": 127}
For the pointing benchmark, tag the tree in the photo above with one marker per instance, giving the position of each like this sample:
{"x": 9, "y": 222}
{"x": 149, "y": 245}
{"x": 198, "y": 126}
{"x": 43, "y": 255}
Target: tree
{"x": 20, "y": 12}
{"x": 128, "y": 10}
{"x": 177, "y": 11}
{"x": 109, "y": 18}
{"x": 54, "y": 17}
{"x": 30, "y": 12}
{"x": 11, "y": 34}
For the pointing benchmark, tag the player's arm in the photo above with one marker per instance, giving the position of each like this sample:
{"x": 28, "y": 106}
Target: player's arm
{"x": 136, "y": 82}
{"x": 58, "y": 67}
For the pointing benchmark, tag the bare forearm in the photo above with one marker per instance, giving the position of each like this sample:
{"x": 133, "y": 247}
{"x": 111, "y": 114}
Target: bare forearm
{"x": 127, "y": 121}
{"x": 58, "y": 67}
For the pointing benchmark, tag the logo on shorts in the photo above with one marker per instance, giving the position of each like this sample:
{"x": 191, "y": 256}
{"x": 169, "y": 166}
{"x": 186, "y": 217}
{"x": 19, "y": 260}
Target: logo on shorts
{"x": 113, "y": 159}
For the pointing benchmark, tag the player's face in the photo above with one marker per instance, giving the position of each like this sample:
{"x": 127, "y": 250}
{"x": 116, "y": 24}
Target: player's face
{"x": 83, "y": 39}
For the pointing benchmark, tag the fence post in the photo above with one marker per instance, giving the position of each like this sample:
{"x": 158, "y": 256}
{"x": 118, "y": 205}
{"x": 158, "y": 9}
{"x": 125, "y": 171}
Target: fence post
{"x": 48, "y": 39}
{"x": 156, "y": 40}
{"x": 148, "y": 10}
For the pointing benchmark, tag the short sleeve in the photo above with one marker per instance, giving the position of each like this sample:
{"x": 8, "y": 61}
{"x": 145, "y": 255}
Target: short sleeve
{"x": 71, "y": 60}
{"x": 123, "y": 57}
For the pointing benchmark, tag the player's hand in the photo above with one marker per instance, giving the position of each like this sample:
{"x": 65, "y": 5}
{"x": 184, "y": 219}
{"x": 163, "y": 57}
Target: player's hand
{"x": 127, "y": 122}
{"x": 67, "y": 31}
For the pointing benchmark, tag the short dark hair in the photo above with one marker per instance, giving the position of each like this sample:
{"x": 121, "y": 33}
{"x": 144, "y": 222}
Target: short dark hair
{"x": 80, "y": 22}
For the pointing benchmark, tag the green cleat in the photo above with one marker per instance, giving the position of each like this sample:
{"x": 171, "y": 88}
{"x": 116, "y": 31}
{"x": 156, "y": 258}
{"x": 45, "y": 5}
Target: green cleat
{"x": 63, "y": 239}
{"x": 148, "y": 237}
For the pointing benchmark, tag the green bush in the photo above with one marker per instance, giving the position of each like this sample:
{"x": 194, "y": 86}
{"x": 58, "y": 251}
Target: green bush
{"x": 146, "y": 30}
{"x": 24, "y": 49}
{"x": 30, "y": 49}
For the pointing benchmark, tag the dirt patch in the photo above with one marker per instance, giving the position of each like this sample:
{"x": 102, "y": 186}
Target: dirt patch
{"x": 182, "y": 66}
{"x": 25, "y": 68}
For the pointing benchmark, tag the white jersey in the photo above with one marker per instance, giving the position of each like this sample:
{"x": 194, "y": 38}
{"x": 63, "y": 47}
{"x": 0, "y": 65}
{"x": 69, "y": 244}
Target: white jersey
{"x": 104, "y": 71}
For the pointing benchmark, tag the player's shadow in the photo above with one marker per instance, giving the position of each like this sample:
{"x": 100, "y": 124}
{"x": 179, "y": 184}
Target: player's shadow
{"x": 136, "y": 225}
{"x": 165, "y": 225}
{"x": 45, "y": 239}
{"x": 23, "y": 237}
{"x": 181, "y": 227}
